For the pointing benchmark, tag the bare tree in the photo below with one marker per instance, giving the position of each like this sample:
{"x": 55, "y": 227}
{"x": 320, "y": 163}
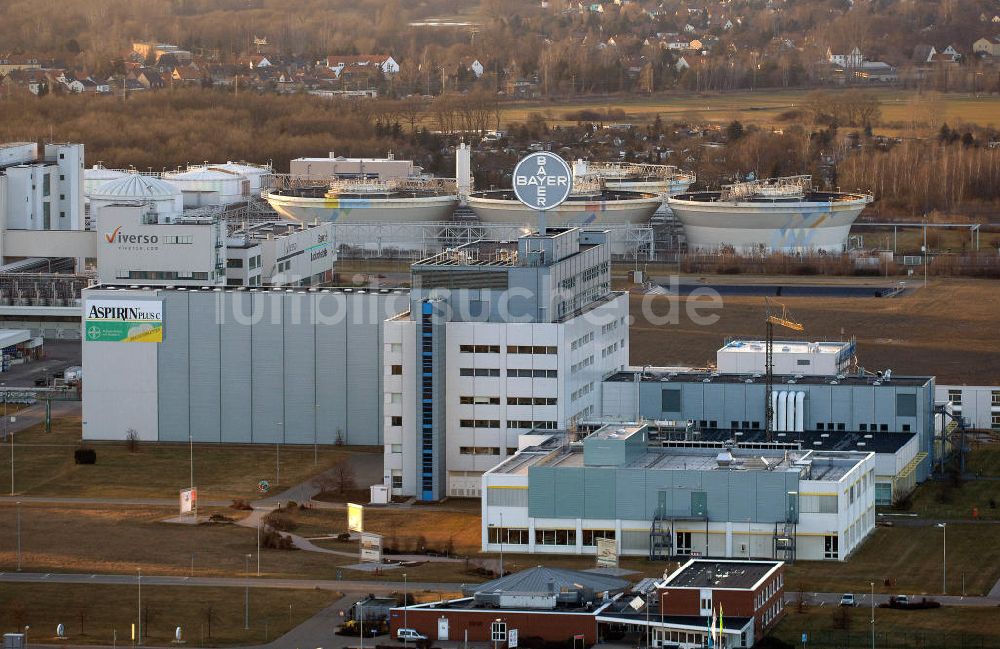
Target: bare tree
{"x": 132, "y": 440}
{"x": 344, "y": 477}
{"x": 210, "y": 616}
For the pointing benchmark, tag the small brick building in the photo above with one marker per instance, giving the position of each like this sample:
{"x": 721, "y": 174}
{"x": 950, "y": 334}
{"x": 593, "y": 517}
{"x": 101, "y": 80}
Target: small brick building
{"x": 551, "y": 604}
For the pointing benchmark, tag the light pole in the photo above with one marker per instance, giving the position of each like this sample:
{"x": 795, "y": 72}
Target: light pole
{"x": 500, "y": 536}
{"x": 406, "y": 602}
{"x": 259, "y": 518}
{"x": 246, "y": 594}
{"x": 19, "y": 536}
{"x": 316, "y": 436}
{"x": 277, "y": 454}
{"x": 139, "y": 638}
{"x": 872, "y": 584}
{"x": 944, "y": 558}
{"x": 361, "y": 621}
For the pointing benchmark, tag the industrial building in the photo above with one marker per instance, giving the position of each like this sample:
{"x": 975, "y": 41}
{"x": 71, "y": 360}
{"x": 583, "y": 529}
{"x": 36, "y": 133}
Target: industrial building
{"x": 735, "y": 403}
{"x": 561, "y": 497}
{"x": 547, "y": 604}
{"x": 501, "y": 338}
{"x": 293, "y": 366}
{"x": 979, "y": 405}
{"x": 737, "y": 602}
{"x": 141, "y": 244}
{"x": 40, "y": 193}
{"x": 280, "y": 254}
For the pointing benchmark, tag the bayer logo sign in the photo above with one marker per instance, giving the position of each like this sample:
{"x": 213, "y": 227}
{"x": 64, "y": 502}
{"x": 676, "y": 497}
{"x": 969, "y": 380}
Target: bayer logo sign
{"x": 542, "y": 181}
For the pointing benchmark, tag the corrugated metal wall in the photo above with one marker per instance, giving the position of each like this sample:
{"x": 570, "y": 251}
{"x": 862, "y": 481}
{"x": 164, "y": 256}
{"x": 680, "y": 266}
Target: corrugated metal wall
{"x": 261, "y": 367}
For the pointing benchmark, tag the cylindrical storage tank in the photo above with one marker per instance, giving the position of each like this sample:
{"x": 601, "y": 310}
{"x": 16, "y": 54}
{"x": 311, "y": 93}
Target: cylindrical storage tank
{"x": 790, "y": 412}
{"x": 782, "y": 411}
{"x": 203, "y": 187}
{"x": 774, "y": 411}
{"x": 800, "y": 411}
{"x": 97, "y": 176}
{"x": 257, "y": 176}
{"x": 166, "y": 199}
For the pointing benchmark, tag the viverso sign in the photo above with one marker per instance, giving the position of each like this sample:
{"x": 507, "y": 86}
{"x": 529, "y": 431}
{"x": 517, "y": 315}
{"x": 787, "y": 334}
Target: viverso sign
{"x": 542, "y": 181}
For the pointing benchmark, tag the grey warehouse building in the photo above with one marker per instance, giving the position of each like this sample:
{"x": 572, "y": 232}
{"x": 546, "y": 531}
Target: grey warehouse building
{"x": 832, "y": 405}
{"x": 296, "y": 366}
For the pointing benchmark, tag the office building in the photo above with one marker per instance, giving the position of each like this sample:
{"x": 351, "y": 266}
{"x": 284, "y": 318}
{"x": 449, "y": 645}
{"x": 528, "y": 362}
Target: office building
{"x": 501, "y": 338}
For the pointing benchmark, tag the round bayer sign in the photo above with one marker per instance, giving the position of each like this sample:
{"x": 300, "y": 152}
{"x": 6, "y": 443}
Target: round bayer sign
{"x": 542, "y": 181}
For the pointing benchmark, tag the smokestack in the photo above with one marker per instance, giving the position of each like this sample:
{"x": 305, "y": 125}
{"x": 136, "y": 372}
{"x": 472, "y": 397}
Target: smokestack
{"x": 463, "y": 169}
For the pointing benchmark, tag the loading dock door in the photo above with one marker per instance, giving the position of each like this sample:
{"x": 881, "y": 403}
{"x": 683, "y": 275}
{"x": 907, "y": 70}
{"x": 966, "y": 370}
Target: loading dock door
{"x": 442, "y": 628}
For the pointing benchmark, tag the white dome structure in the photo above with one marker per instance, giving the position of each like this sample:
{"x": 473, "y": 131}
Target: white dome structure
{"x": 166, "y": 199}
{"x": 203, "y": 186}
{"x": 97, "y": 176}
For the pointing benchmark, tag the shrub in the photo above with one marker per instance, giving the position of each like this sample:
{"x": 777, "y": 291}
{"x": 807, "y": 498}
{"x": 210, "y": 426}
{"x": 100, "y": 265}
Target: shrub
{"x": 276, "y": 541}
{"x": 85, "y": 456}
{"x": 279, "y": 522}
{"x": 240, "y": 504}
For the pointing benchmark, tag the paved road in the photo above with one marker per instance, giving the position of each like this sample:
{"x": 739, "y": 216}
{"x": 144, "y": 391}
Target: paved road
{"x": 864, "y": 599}
{"x": 233, "y": 582}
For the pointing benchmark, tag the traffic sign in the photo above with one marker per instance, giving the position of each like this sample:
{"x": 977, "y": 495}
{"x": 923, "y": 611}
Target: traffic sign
{"x": 263, "y": 486}
{"x": 542, "y": 181}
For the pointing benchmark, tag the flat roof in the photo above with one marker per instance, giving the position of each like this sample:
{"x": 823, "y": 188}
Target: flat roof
{"x": 702, "y": 573}
{"x": 787, "y": 346}
{"x": 617, "y": 431}
{"x": 875, "y": 442}
{"x": 344, "y": 290}
{"x": 810, "y": 464}
{"x": 663, "y": 375}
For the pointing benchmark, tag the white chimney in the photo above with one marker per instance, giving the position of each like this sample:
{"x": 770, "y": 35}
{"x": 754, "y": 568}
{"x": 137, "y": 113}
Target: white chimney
{"x": 463, "y": 169}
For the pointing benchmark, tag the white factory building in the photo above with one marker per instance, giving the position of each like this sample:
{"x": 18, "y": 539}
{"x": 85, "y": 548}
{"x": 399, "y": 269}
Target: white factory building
{"x": 280, "y": 254}
{"x": 979, "y": 405}
{"x": 501, "y": 338}
{"x": 562, "y": 497}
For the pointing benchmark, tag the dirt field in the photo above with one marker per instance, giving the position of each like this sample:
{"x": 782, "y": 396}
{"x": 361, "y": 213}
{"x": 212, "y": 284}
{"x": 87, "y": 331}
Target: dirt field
{"x": 762, "y": 108}
{"x": 95, "y": 614}
{"x": 948, "y": 329}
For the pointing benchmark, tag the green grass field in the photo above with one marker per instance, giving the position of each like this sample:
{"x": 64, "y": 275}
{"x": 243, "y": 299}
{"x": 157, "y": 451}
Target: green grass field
{"x": 44, "y": 466}
{"x": 910, "y": 558}
{"x": 946, "y": 628}
{"x": 98, "y": 614}
{"x": 762, "y": 107}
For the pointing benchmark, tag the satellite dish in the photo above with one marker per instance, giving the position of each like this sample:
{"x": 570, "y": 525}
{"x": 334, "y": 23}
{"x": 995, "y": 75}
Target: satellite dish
{"x": 61, "y": 631}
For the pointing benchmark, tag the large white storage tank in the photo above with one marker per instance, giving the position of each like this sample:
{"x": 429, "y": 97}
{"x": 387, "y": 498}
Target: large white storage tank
{"x": 99, "y": 175}
{"x": 203, "y": 186}
{"x": 257, "y": 176}
{"x": 166, "y": 200}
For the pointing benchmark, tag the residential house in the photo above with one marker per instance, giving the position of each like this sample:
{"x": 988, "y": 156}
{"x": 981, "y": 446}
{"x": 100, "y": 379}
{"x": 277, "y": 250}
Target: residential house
{"x": 11, "y": 62}
{"x": 187, "y": 75}
{"x": 385, "y": 62}
{"x": 851, "y": 60}
{"x": 987, "y": 47}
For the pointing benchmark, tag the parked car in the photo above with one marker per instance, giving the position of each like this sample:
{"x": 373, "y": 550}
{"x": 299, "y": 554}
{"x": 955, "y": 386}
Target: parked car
{"x": 902, "y": 600}
{"x": 847, "y": 599}
{"x": 409, "y": 635}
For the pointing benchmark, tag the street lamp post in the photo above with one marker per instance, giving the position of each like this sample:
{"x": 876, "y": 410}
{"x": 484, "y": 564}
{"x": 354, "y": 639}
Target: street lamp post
{"x": 406, "y": 603}
{"x": 139, "y": 637}
{"x": 246, "y": 594}
{"x": 873, "y": 613}
{"x": 361, "y": 621}
{"x": 19, "y": 536}
{"x": 944, "y": 558}
{"x": 500, "y": 536}
{"x": 277, "y": 455}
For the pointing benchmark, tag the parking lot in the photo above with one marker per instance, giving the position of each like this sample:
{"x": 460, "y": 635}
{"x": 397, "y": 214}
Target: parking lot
{"x": 59, "y": 354}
